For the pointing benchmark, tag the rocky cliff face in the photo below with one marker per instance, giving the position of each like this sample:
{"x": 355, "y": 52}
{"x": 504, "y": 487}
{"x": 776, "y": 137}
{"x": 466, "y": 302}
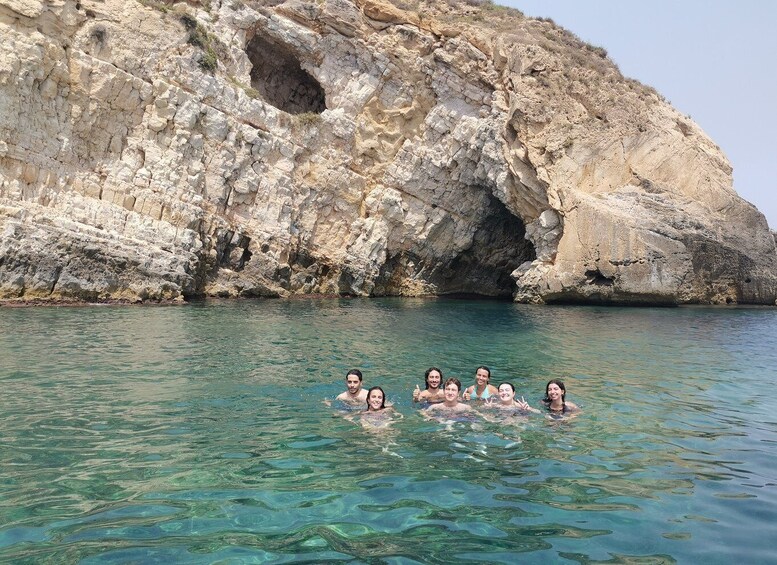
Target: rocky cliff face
{"x": 256, "y": 148}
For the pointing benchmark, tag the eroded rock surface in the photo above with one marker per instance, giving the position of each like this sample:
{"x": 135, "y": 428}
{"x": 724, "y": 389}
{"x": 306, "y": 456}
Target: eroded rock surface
{"x": 151, "y": 150}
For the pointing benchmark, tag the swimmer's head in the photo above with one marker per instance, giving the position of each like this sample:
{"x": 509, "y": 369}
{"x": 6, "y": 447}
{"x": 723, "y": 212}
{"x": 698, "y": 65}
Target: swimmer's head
{"x": 553, "y": 389}
{"x": 435, "y": 375}
{"x": 452, "y": 389}
{"x": 353, "y": 380}
{"x": 506, "y": 391}
{"x": 453, "y": 382}
{"x": 376, "y": 398}
{"x": 482, "y": 375}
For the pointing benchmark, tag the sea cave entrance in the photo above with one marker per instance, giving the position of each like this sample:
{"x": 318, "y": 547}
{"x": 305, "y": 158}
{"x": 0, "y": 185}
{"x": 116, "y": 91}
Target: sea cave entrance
{"x": 499, "y": 246}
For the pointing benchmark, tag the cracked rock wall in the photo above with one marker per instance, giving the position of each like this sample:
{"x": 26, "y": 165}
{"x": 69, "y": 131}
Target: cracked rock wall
{"x": 157, "y": 151}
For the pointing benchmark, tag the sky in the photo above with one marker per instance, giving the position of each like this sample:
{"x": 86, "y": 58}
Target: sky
{"x": 713, "y": 60}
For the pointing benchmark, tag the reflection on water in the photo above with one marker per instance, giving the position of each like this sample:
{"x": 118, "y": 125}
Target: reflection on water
{"x": 198, "y": 434}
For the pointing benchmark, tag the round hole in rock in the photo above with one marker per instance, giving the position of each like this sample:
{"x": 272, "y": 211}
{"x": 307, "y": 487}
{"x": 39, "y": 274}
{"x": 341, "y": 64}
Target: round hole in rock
{"x": 280, "y": 80}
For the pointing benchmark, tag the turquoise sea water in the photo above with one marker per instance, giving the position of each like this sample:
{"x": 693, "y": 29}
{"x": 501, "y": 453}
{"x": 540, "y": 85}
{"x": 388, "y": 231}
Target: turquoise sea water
{"x": 198, "y": 434}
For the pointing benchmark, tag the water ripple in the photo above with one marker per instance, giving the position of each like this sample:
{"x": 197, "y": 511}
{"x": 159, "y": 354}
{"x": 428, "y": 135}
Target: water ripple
{"x": 198, "y": 434}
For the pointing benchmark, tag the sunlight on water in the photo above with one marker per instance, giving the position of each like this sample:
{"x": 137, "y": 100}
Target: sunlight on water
{"x": 198, "y": 434}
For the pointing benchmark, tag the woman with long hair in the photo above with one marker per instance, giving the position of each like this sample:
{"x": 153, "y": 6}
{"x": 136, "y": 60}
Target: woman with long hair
{"x": 555, "y": 399}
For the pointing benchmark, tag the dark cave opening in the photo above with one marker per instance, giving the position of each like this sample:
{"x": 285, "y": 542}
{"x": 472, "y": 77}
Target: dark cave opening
{"x": 279, "y": 79}
{"x": 595, "y": 277}
{"x": 232, "y": 250}
{"x": 499, "y": 246}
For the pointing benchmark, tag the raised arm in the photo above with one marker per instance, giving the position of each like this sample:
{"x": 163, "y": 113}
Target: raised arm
{"x": 523, "y": 405}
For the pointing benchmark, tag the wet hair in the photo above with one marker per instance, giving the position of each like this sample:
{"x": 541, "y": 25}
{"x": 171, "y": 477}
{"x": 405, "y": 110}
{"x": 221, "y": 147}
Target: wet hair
{"x": 356, "y": 372}
{"x": 506, "y": 383}
{"x": 560, "y": 385}
{"x": 453, "y": 380}
{"x": 382, "y": 402}
{"x": 426, "y": 375}
{"x": 486, "y": 369}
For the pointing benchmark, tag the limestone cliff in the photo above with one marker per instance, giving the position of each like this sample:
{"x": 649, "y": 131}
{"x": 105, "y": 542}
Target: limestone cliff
{"x": 151, "y": 150}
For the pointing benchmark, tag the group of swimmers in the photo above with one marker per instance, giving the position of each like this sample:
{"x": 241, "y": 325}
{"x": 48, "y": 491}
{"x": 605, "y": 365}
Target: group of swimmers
{"x": 442, "y": 398}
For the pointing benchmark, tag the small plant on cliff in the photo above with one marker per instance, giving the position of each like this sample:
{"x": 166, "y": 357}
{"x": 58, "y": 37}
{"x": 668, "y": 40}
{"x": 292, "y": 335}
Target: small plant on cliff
{"x": 189, "y": 22}
{"x": 597, "y": 50}
{"x": 156, "y": 5}
{"x": 307, "y": 118}
{"x": 208, "y": 61}
{"x": 406, "y": 5}
{"x": 480, "y": 13}
{"x": 250, "y": 92}
{"x": 499, "y": 9}
{"x": 199, "y": 37}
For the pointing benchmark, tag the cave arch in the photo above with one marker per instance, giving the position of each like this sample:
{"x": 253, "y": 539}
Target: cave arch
{"x": 280, "y": 80}
{"x": 499, "y": 246}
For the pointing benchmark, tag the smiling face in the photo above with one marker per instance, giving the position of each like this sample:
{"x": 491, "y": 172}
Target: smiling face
{"x": 353, "y": 383}
{"x": 375, "y": 400}
{"x": 433, "y": 380}
{"x": 481, "y": 377}
{"x": 451, "y": 393}
{"x": 555, "y": 393}
{"x": 506, "y": 393}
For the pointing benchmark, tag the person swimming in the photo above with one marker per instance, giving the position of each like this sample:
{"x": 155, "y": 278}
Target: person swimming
{"x": 376, "y": 399}
{"x": 354, "y": 394}
{"x": 507, "y": 400}
{"x": 481, "y": 390}
{"x": 555, "y": 399}
{"x": 451, "y": 405}
{"x": 378, "y": 414}
{"x": 433, "y": 393}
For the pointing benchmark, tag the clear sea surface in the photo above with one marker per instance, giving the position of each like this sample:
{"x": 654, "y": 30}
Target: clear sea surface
{"x": 198, "y": 434}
